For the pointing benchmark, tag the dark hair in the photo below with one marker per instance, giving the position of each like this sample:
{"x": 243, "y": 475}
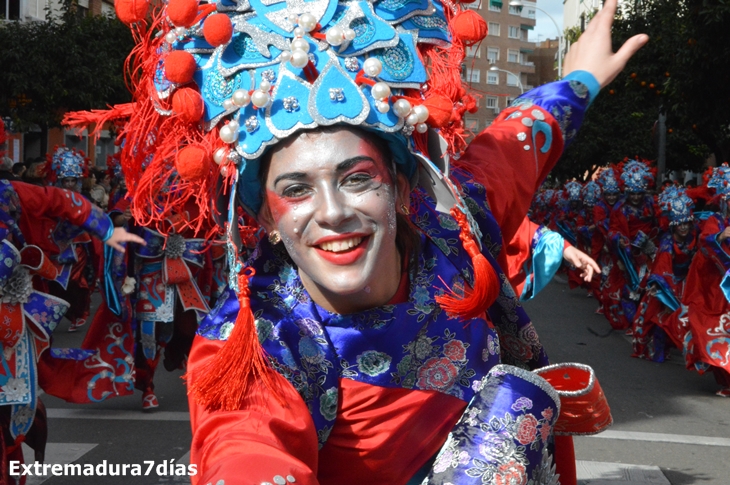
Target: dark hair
{"x": 407, "y": 238}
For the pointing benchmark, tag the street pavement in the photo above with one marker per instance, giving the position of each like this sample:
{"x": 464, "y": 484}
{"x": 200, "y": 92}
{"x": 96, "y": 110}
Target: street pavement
{"x": 669, "y": 427}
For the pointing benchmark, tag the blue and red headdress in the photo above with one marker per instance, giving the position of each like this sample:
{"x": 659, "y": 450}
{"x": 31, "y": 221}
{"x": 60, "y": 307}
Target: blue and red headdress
{"x": 608, "y": 181}
{"x": 66, "y": 163}
{"x": 676, "y": 205}
{"x": 720, "y": 180}
{"x": 573, "y": 190}
{"x": 591, "y": 193}
{"x": 636, "y": 176}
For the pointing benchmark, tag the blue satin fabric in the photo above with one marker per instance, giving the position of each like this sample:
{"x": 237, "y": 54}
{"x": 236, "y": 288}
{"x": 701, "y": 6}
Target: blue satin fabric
{"x": 664, "y": 292}
{"x": 725, "y": 285}
{"x": 504, "y": 435}
{"x": 624, "y": 254}
{"x": 567, "y": 233}
{"x": 547, "y": 256}
{"x": 10, "y": 213}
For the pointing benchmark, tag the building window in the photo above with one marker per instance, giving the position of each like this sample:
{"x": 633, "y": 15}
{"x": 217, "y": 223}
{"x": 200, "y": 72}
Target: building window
{"x": 494, "y": 29}
{"x": 472, "y": 124}
{"x": 10, "y": 10}
{"x": 492, "y": 102}
{"x": 473, "y": 51}
{"x": 514, "y": 32}
{"x": 530, "y": 13}
{"x": 492, "y": 77}
{"x": 512, "y": 80}
{"x": 515, "y": 10}
{"x": 513, "y": 55}
{"x": 492, "y": 54}
{"x": 493, "y": 7}
{"x": 473, "y": 5}
{"x": 472, "y": 75}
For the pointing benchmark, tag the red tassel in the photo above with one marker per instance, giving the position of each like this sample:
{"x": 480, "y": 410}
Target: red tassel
{"x": 223, "y": 383}
{"x": 486, "y": 284}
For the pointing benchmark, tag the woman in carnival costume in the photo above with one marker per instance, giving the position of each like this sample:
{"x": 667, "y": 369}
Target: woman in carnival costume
{"x": 349, "y": 345}
{"x": 653, "y": 334}
{"x": 36, "y": 224}
{"x": 632, "y": 230}
{"x": 611, "y": 192}
{"x": 706, "y": 301}
{"x": 592, "y": 195}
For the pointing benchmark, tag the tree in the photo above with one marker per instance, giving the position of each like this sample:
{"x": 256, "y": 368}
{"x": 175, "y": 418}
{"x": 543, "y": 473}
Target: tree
{"x": 682, "y": 71}
{"x": 62, "y": 64}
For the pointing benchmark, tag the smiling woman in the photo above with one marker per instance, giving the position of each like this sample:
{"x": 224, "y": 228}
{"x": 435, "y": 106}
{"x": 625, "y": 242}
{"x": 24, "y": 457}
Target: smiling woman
{"x": 372, "y": 336}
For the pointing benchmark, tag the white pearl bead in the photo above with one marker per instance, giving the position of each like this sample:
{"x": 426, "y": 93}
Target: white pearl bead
{"x": 402, "y": 108}
{"x": 220, "y": 155}
{"x": 260, "y": 98}
{"x": 380, "y": 90}
{"x": 300, "y": 44}
{"x": 299, "y": 32}
{"x": 299, "y": 58}
{"x": 382, "y": 106}
{"x": 227, "y": 134}
{"x": 180, "y": 31}
{"x": 228, "y": 104}
{"x": 308, "y": 22}
{"x": 334, "y": 36}
{"x": 224, "y": 170}
{"x": 265, "y": 86}
{"x": 233, "y": 124}
{"x": 171, "y": 37}
{"x": 241, "y": 97}
{"x": 372, "y": 67}
{"x": 422, "y": 127}
{"x": 285, "y": 56}
{"x": 350, "y": 34}
{"x": 422, "y": 113}
{"x": 411, "y": 119}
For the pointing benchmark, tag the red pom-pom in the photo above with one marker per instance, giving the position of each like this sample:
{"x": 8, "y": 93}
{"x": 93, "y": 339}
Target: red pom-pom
{"x": 469, "y": 27}
{"x": 470, "y": 104}
{"x": 439, "y": 110}
{"x": 217, "y": 29}
{"x": 188, "y": 104}
{"x": 192, "y": 163}
{"x": 180, "y": 67}
{"x": 131, "y": 11}
{"x": 182, "y": 13}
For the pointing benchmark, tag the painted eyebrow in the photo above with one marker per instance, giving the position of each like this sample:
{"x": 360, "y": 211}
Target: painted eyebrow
{"x": 341, "y": 167}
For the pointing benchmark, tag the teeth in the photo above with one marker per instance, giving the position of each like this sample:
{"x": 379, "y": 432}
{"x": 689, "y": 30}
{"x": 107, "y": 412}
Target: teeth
{"x": 342, "y": 245}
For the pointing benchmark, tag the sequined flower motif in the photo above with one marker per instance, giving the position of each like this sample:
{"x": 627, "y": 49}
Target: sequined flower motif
{"x": 15, "y": 389}
{"x": 252, "y": 124}
{"x": 352, "y": 64}
{"x": 175, "y": 246}
{"x": 269, "y": 75}
{"x": 291, "y": 104}
{"x": 337, "y": 95}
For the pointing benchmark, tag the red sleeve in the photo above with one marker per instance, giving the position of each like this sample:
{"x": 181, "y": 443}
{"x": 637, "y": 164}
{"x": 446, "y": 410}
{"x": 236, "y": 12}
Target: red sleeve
{"x": 52, "y": 202}
{"x": 512, "y": 165}
{"x": 618, "y": 225}
{"x": 516, "y": 252}
{"x": 251, "y": 446}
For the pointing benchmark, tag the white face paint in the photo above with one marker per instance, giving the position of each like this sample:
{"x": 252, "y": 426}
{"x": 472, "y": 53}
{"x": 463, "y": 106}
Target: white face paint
{"x": 332, "y": 199}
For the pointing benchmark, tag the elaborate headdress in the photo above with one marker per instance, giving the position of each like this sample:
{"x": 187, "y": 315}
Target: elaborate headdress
{"x": 676, "y": 205}
{"x": 636, "y": 176}
{"x": 66, "y": 163}
{"x": 222, "y": 82}
{"x": 720, "y": 180}
{"x": 573, "y": 190}
{"x": 591, "y": 193}
{"x": 609, "y": 183}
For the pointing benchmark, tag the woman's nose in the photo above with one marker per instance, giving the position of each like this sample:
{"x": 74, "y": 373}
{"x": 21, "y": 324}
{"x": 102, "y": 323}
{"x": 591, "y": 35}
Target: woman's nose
{"x": 332, "y": 208}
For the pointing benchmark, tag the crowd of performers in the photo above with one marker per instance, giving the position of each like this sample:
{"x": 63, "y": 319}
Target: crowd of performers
{"x": 664, "y": 255}
{"x": 54, "y": 257}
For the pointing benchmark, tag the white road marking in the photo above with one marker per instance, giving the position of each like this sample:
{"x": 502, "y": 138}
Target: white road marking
{"x": 67, "y": 413}
{"x": 662, "y": 438}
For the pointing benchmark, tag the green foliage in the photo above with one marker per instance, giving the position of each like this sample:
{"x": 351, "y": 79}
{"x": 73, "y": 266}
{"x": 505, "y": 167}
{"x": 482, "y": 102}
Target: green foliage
{"x": 682, "y": 70}
{"x": 63, "y": 64}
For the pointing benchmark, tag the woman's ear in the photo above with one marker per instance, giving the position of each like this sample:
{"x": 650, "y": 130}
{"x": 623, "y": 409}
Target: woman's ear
{"x": 403, "y": 190}
{"x": 265, "y": 218}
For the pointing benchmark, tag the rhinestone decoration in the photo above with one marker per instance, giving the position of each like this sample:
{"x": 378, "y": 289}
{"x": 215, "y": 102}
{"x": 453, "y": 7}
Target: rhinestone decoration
{"x": 175, "y": 246}
{"x": 352, "y": 64}
{"x": 252, "y": 124}
{"x": 408, "y": 130}
{"x": 337, "y": 95}
{"x": 291, "y": 103}
{"x": 269, "y": 75}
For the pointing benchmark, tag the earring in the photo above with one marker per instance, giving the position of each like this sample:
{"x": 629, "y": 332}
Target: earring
{"x": 404, "y": 208}
{"x": 274, "y": 237}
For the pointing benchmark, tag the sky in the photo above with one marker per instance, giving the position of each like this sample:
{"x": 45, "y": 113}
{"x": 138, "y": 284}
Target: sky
{"x": 544, "y": 27}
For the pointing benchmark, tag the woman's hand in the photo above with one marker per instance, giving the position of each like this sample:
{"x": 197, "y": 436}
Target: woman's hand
{"x": 723, "y": 235}
{"x": 119, "y": 236}
{"x": 581, "y": 260}
{"x": 593, "y": 52}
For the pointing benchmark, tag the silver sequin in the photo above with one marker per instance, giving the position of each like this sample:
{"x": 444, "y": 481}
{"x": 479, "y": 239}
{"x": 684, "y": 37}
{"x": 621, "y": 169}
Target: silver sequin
{"x": 526, "y": 147}
{"x": 352, "y": 64}
{"x": 290, "y": 103}
{"x": 527, "y": 121}
{"x": 522, "y": 136}
{"x": 269, "y": 75}
{"x": 279, "y": 480}
{"x": 337, "y": 94}
{"x": 252, "y": 124}
{"x": 537, "y": 114}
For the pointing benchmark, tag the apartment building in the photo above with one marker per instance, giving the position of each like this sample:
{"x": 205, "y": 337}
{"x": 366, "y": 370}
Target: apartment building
{"x": 497, "y": 68}
{"x": 544, "y": 57}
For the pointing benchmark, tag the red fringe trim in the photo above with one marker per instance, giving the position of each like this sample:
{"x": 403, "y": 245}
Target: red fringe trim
{"x": 486, "y": 284}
